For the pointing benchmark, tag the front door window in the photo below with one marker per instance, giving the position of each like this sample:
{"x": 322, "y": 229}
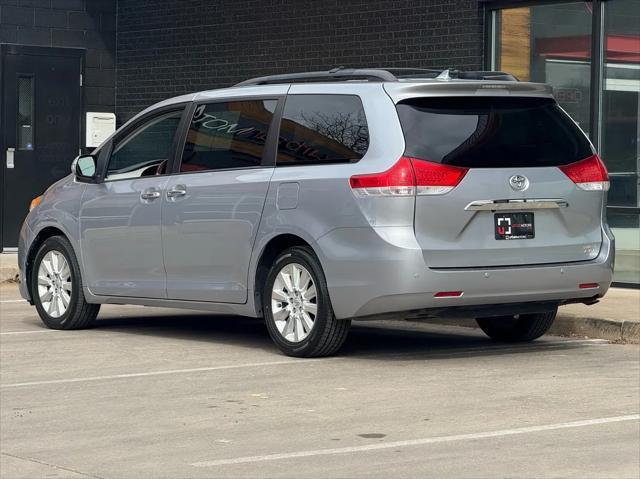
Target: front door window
{"x": 146, "y": 151}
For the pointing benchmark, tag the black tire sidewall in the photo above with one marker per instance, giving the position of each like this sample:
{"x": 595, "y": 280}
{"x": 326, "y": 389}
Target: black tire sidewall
{"x": 325, "y": 312}
{"x": 527, "y": 327}
{"x": 61, "y": 245}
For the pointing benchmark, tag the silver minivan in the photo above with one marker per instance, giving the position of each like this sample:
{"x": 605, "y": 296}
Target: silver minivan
{"x": 316, "y": 198}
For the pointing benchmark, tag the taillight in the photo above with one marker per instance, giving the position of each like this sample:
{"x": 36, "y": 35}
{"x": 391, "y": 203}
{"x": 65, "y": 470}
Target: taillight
{"x": 589, "y": 174}
{"x": 409, "y": 176}
{"x": 398, "y": 180}
{"x": 436, "y": 178}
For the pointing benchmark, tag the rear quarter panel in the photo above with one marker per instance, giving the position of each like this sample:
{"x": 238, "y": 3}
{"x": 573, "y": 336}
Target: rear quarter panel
{"x": 325, "y": 200}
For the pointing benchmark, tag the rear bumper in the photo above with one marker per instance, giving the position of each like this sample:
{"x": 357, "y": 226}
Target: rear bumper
{"x": 370, "y": 273}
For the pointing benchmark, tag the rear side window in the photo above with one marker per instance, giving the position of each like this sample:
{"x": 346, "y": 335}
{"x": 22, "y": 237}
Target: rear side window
{"x": 319, "y": 129}
{"x": 227, "y": 135}
{"x": 491, "y": 132}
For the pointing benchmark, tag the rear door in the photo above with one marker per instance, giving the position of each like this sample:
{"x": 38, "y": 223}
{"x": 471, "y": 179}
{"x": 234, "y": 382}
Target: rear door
{"x": 531, "y": 192}
{"x": 213, "y": 204}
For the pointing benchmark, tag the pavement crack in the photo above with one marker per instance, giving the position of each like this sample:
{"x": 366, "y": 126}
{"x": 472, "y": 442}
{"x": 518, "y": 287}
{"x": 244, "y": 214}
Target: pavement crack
{"x": 55, "y": 466}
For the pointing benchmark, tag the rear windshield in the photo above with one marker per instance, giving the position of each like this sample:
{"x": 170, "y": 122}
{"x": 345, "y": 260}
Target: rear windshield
{"x": 491, "y": 132}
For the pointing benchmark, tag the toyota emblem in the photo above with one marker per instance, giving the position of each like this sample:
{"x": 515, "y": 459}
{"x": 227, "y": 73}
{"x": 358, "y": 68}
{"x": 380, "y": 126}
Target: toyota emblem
{"x": 519, "y": 182}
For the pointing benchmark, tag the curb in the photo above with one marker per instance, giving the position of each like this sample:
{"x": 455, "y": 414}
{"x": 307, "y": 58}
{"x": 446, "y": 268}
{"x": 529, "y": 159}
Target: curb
{"x": 569, "y": 325}
{"x": 599, "y": 328}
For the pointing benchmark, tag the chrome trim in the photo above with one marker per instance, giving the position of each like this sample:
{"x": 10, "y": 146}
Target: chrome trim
{"x": 528, "y": 204}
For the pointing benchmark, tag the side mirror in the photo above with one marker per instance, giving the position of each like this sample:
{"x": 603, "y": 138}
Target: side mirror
{"x": 84, "y": 167}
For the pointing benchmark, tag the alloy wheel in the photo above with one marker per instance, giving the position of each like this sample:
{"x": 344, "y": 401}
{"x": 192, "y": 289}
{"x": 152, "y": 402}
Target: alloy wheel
{"x": 54, "y": 283}
{"x": 294, "y": 302}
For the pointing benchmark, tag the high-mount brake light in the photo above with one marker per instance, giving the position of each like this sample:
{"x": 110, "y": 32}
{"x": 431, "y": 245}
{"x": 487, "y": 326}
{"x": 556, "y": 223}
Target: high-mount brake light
{"x": 408, "y": 177}
{"x": 589, "y": 174}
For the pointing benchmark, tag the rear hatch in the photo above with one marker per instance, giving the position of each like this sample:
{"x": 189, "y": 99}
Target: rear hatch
{"x": 501, "y": 181}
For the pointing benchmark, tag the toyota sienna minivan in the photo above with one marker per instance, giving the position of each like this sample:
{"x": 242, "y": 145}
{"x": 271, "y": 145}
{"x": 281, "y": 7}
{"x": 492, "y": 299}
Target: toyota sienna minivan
{"x": 314, "y": 199}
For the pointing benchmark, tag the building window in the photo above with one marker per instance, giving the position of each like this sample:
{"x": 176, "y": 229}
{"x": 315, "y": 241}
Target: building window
{"x": 552, "y": 43}
{"x": 25, "y": 113}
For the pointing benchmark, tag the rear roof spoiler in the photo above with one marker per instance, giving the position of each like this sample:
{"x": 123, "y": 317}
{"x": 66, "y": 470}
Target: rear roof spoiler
{"x": 403, "y": 90}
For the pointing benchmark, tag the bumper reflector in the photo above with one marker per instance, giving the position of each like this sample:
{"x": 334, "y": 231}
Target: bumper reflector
{"x": 448, "y": 294}
{"x": 589, "y": 285}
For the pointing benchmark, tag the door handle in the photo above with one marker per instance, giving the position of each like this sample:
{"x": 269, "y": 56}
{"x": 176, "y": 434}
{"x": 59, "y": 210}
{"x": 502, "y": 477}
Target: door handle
{"x": 150, "y": 194}
{"x": 177, "y": 191}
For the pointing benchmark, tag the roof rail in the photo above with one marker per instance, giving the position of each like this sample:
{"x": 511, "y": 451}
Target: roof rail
{"x": 377, "y": 74}
{"x": 337, "y": 74}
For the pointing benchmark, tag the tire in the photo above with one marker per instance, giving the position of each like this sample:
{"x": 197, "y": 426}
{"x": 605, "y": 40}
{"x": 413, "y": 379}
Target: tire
{"x": 46, "y": 283}
{"x": 519, "y": 328}
{"x": 289, "y": 328}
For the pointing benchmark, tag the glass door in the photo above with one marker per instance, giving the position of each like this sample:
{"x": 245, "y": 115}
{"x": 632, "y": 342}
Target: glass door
{"x": 620, "y": 131}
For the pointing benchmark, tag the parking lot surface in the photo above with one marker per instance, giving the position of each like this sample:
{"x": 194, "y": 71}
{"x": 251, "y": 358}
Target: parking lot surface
{"x": 167, "y": 393}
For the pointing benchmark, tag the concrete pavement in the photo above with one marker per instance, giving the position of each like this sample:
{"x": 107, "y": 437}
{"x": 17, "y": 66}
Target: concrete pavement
{"x": 8, "y": 267}
{"x": 163, "y": 393}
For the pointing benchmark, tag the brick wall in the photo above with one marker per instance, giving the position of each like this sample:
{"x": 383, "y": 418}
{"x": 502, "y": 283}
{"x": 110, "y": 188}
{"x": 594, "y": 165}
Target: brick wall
{"x": 88, "y": 24}
{"x": 170, "y": 47}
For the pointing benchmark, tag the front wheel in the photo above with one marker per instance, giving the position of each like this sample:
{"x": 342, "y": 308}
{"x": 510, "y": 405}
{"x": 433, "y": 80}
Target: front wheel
{"x": 56, "y": 287}
{"x": 517, "y": 328}
{"x": 297, "y": 307}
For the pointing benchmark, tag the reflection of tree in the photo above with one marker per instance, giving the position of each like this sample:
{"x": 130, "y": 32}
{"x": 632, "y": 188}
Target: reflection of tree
{"x": 349, "y": 129}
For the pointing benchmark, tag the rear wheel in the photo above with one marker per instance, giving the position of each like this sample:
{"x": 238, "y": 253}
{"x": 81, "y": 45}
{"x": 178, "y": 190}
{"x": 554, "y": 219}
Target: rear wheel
{"x": 297, "y": 308}
{"x": 521, "y": 327}
{"x": 56, "y": 287}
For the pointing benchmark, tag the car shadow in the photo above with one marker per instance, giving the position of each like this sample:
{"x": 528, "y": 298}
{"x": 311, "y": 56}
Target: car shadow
{"x": 383, "y": 340}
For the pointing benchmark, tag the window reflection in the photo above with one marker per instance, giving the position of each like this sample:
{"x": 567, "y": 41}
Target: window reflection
{"x": 322, "y": 129}
{"x": 227, "y": 135}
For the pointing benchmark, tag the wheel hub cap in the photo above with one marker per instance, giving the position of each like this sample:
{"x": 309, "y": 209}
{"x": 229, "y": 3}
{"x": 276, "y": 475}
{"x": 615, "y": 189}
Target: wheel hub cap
{"x": 54, "y": 283}
{"x": 294, "y": 302}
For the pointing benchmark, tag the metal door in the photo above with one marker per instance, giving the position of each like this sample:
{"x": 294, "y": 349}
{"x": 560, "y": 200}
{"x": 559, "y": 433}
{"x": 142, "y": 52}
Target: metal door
{"x": 41, "y": 100}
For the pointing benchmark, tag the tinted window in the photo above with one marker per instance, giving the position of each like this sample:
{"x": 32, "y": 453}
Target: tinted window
{"x": 322, "y": 129}
{"x": 491, "y": 132}
{"x": 146, "y": 151}
{"x": 227, "y": 135}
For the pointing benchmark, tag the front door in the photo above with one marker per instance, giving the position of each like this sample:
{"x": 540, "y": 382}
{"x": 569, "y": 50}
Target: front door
{"x": 213, "y": 204}
{"x": 40, "y": 122}
{"x": 120, "y": 217}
